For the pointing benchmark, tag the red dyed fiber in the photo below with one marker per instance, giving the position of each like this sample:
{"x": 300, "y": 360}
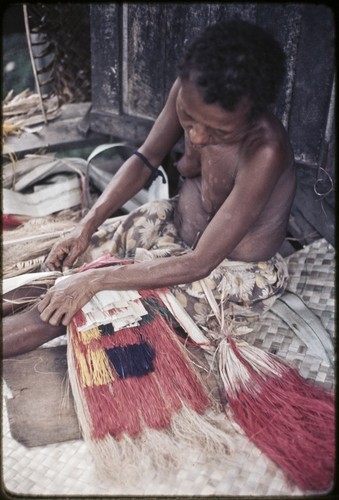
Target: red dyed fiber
{"x": 151, "y": 401}
{"x": 105, "y": 260}
{"x": 79, "y": 318}
{"x": 121, "y": 338}
{"x": 292, "y": 421}
{"x": 10, "y": 222}
{"x": 172, "y": 369}
{"x": 107, "y": 414}
{"x": 128, "y": 405}
{"x": 148, "y": 401}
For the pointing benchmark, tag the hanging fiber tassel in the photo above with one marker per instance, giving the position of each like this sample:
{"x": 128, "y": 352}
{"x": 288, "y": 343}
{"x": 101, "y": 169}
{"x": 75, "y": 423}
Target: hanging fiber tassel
{"x": 138, "y": 399}
{"x": 288, "y": 418}
{"x": 284, "y": 415}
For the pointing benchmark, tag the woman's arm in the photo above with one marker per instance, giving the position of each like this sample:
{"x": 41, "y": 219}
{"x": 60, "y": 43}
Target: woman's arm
{"x": 69, "y": 295}
{"x": 133, "y": 174}
{"x": 229, "y": 225}
{"x": 129, "y": 179}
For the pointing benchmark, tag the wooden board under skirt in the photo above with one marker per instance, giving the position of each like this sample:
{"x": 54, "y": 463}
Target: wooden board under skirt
{"x": 41, "y": 410}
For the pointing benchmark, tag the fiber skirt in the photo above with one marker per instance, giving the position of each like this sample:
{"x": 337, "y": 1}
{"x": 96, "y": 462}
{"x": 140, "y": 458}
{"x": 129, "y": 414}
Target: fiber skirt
{"x": 242, "y": 290}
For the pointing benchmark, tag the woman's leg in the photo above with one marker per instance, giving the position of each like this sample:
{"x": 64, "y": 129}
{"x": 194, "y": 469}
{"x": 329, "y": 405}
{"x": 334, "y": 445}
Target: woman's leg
{"x": 26, "y": 331}
{"x": 17, "y": 299}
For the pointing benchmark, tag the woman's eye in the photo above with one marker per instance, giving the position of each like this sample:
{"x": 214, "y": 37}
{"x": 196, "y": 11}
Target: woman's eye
{"x": 186, "y": 116}
{"x": 221, "y": 133}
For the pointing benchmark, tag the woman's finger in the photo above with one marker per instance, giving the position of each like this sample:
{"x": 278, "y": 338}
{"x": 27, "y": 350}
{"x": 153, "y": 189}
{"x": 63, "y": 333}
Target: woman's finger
{"x": 57, "y": 255}
{"x": 70, "y": 258}
{"x": 45, "y": 299}
{"x": 68, "y": 317}
{"x": 56, "y": 318}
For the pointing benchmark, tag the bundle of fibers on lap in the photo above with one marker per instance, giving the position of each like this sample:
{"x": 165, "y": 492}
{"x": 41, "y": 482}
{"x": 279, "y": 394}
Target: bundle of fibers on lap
{"x": 138, "y": 399}
{"x": 26, "y": 246}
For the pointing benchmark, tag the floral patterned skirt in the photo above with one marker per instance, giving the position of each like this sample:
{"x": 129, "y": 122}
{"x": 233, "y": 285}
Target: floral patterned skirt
{"x": 242, "y": 290}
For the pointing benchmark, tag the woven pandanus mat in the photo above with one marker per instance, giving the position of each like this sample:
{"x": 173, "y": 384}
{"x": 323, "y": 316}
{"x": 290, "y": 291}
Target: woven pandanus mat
{"x": 312, "y": 278}
{"x": 68, "y": 469}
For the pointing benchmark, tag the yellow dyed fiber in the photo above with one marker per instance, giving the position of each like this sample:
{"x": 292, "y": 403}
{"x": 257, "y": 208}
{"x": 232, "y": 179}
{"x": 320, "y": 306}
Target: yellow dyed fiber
{"x": 90, "y": 334}
{"x": 94, "y": 367}
{"x": 11, "y": 128}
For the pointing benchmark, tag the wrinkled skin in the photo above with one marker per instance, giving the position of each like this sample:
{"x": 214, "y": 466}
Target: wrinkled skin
{"x": 63, "y": 300}
{"x": 65, "y": 251}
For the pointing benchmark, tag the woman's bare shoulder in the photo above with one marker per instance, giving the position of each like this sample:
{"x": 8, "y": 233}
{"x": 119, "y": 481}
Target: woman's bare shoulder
{"x": 268, "y": 143}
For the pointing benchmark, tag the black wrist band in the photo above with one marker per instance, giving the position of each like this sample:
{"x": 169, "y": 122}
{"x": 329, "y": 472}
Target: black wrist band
{"x": 155, "y": 172}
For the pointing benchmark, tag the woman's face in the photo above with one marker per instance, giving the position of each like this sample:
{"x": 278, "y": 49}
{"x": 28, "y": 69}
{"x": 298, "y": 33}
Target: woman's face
{"x": 207, "y": 124}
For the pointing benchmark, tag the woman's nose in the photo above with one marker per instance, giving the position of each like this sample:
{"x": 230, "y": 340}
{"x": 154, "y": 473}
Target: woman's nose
{"x": 199, "y": 135}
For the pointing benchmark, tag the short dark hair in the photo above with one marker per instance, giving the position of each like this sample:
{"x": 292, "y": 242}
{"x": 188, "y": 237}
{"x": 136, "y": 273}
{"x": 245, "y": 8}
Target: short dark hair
{"x": 232, "y": 60}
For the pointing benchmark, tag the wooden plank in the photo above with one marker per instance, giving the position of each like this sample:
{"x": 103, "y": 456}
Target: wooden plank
{"x": 106, "y": 65}
{"x": 144, "y": 47}
{"x": 183, "y": 23}
{"x": 132, "y": 129}
{"x": 311, "y": 213}
{"x": 40, "y": 411}
{"x": 288, "y": 36}
{"x": 313, "y": 83}
{"x": 231, "y": 10}
{"x": 62, "y": 133}
{"x": 317, "y": 212}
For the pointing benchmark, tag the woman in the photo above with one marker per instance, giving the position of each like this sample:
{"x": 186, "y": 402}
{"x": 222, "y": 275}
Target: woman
{"x": 230, "y": 216}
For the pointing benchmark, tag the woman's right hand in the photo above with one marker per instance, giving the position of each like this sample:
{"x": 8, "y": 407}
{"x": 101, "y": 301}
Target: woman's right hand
{"x": 66, "y": 250}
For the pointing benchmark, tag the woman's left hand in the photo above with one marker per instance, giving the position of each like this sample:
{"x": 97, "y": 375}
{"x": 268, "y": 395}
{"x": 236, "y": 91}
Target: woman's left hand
{"x": 64, "y": 299}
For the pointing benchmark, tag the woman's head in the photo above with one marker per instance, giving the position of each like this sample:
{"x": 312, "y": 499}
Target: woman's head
{"x": 234, "y": 60}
